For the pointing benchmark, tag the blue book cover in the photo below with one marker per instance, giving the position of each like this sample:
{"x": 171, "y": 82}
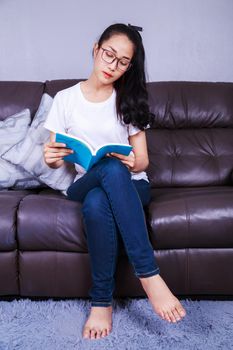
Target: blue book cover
{"x": 84, "y": 154}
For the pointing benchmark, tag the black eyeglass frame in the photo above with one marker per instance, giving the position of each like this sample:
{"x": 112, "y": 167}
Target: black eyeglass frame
{"x": 116, "y": 58}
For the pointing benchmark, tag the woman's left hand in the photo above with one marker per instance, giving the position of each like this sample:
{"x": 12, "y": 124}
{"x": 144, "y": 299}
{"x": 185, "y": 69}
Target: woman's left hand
{"x": 129, "y": 160}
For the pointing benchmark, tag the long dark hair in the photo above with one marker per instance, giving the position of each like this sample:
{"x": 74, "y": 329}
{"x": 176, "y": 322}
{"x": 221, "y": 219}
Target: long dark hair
{"x": 132, "y": 97}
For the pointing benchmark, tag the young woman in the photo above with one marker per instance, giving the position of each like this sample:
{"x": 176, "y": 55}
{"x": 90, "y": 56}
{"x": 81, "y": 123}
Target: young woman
{"x": 111, "y": 106}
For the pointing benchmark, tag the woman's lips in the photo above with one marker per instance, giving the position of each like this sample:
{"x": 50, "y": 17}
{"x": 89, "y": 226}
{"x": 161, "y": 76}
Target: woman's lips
{"x": 107, "y": 75}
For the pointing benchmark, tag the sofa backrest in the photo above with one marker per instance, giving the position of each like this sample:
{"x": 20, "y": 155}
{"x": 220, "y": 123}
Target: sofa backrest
{"x": 191, "y": 142}
{"x": 53, "y": 86}
{"x": 18, "y": 95}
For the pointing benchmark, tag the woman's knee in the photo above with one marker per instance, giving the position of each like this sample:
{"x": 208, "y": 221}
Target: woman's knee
{"x": 114, "y": 167}
{"x": 70, "y": 192}
{"x": 94, "y": 200}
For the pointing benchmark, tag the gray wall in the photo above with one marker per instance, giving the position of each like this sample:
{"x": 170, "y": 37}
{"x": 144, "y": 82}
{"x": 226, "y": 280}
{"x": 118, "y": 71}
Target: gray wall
{"x": 53, "y": 39}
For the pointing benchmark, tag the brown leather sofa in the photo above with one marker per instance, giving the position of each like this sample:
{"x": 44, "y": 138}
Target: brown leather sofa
{"x": 43, "y": 250}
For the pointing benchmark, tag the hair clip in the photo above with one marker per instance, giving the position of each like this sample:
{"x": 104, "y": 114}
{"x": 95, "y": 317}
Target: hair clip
{"x": 139, "y": 29}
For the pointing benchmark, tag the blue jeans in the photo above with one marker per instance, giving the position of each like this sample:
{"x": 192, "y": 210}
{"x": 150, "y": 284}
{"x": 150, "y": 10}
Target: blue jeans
{"x": 113, "y": 205}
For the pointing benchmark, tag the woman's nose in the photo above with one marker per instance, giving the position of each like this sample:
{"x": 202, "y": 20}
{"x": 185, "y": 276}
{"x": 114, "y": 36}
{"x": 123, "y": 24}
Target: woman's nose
{"x": 113, "y": 65}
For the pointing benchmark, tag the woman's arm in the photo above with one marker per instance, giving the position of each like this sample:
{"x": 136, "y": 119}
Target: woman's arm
{"x": 139, "y": 144}
{"x": 139, "y": 161}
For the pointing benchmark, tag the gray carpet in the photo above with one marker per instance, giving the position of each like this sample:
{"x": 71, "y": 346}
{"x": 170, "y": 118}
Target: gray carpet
{"x": 57, "y": 325}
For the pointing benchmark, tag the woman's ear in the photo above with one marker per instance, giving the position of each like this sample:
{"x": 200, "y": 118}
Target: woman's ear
{"x": 95, "y": 50}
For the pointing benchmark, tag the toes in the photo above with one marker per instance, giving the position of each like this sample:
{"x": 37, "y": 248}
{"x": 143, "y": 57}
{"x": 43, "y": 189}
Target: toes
{"x": 171, "y": 316}
{"x": 176, "y": 314}
{"x": 104, "y": 333}
{"x": 86, "y": 332}
{"x": 109, "y": 330}
{"x": 98, "y": 334}
{"x": 166, "y": 315}
{"x": 93, "y": 333}
{"x": 162, "y": 315}
{"x": 181, "y": 311}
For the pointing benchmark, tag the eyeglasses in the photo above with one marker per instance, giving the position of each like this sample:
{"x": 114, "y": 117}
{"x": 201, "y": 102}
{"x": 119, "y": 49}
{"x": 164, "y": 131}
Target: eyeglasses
{"x": 109, "y": 57}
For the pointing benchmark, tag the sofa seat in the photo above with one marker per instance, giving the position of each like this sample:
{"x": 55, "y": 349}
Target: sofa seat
{"x": 53, "y": 253}
{"x": 57, "y": 225}
{"x": 191, "y": 232}
{"x": 9, "y": 202}
{"x": 194, "y": 217}
{"x": 8, "y": 217}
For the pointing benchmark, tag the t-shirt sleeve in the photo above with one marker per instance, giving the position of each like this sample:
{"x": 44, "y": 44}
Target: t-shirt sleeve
{"x": 55, "y": 120}
{"x": 133, "y": 130}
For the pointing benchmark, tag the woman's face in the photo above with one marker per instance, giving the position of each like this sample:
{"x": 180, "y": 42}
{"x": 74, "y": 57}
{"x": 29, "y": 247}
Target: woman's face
{"x": 118, "y": 45}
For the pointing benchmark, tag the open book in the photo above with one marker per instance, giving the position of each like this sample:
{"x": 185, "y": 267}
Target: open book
{"x": 84, "y": 154}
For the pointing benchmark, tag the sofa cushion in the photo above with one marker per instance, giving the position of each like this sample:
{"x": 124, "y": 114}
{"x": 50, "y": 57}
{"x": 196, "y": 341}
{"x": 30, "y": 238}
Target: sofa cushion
{"x": 9, "y": 202}
{"x": 199, "y": 217}
{"x": 12, "y": 176}
{"x": 57, "y": 225}
{"x": 50, "y": 222}
{"x": 12, "y": 130}
{"x": 18, "y": 95}
{"x": 53, "y": 86}
{"x": 190, "y": 157}
{"x": 191, "y": 105}
{"x": 29, "y": 153}
{"x": 9, "y": 272}
{"x": 190, "y": 142}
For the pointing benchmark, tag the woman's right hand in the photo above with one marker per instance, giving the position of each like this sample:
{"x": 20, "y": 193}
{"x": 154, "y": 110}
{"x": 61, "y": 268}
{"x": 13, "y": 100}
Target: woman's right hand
{"x": 54, "y": 153}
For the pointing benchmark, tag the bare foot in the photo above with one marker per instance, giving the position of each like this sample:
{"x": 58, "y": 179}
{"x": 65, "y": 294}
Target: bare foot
{"x": 99, "y": 323}
{"x": 165, "y": 304}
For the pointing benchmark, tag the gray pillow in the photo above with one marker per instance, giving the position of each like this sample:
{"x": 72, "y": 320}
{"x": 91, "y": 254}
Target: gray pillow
{"x": 12, "y": 130}
{"x": 12, "y": 176}
{"x": 28, "y": 154}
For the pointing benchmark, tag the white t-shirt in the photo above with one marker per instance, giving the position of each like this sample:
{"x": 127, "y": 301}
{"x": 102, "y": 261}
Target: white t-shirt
{"x": 94, "y": 122}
